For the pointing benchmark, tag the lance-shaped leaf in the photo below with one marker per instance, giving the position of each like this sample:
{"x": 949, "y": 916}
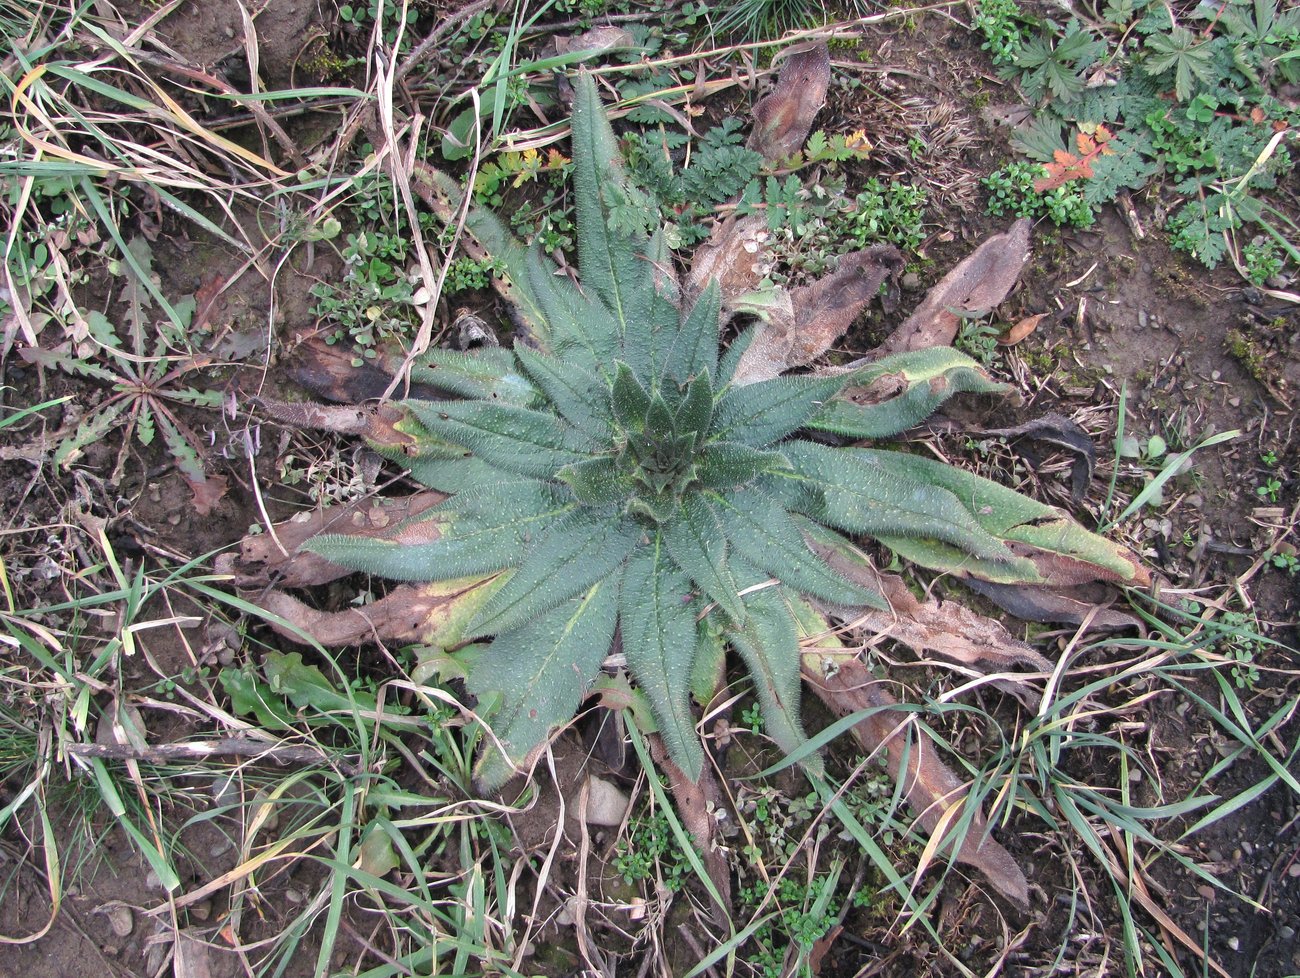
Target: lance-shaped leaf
{"x": 574, "y": 319}
{"x": 769, "y": 643}
{"x": 629, "y": 400}
{"x": 762, "y": 413}
{"x": 572, "y": 554}
{"x": 764, "y": 534}
{"x": 610, "y": 262}
{"x": 425, "y": 614}
{"x": 938, "y": 796}
{"x": 904, "y": 391}
{"x": 694, "y": 350}
{"x": 514, "y": 439}
{"x": 274, "y": 559}
{"x": 490, "y": 238}
{"x": 863, "y": 495}
{"x": 491, "y": 373}
{"x": 1059, "y": 550}
{"x": 727, "y": 464}
{"x": 578, "y": 396}
{"x": 542, "y": 670}
{"x": 657, "y": 621}
{"x": 697, "y": 545}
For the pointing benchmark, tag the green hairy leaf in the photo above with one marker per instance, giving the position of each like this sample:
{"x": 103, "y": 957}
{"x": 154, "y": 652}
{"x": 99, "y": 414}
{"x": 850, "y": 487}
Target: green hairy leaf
{"x": 616, "y": 485}
{"x": 658, "y": 626}
{"x": 544, "y": 669}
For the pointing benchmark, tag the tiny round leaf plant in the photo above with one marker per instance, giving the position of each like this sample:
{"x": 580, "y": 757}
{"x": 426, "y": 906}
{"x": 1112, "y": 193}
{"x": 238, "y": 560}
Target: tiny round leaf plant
{"x": 616, "y": 488}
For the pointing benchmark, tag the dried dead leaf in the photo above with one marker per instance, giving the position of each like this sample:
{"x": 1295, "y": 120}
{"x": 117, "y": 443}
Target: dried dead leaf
{"x": 783, "y": 119}
{"x": 1021, "y": 329}
{"x": 207, "y": 491}
{"x": 378, "y": 423}
{"x": 328, "y": 371}
{"x": 732, "y": 255}
{"x": 275, "y": 560}
{"x": 800, "y": 326}
{"x": 1072, "y": 606}
{"x": 595, "y": 40}
{"x": 1056, "y": 431}
{"x": 945, "y": 628}
{"x": 937, "y": 795}
{"x": 977, "y": 284}
{"x": 426, "y": 613}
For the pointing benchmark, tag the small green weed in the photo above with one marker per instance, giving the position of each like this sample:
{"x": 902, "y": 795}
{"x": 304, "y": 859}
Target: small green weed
{"x": 1240, "y": 642}
{"x": 376, "y": 299}
{"x": 650, "y": 851}
{"x": 1012, "y": 194}
{"x": 978, "y": 339}
{"x": 1196, "y": 104}
{"x": 143, "y": 361}
{"x": 1269, "y": 489}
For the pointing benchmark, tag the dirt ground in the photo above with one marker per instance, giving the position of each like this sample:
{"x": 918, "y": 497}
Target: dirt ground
{"x": 1199, "y": 354}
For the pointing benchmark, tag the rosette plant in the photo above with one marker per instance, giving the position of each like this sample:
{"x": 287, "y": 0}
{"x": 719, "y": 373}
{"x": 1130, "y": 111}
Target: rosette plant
{"x": 611, "y": 485}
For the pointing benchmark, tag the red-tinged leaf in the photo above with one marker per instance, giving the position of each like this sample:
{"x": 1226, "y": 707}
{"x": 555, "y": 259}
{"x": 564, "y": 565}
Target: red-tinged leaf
{"x": 428, "y": 614}
{"x": 1065, "y": 159}
{"x": 207, "y": 301}
{"x": 1257, "y": 115}
{"x": 937, "y": 795}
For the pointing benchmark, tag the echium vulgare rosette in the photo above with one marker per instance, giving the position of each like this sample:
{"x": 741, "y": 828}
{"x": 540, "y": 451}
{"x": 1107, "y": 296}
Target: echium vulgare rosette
{"x": 615, "y": 486}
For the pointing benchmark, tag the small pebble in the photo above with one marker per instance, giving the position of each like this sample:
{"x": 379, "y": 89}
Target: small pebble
{"x": 201, "y": 911}
{"x": 1206, "y": 892}
{"x": 1215, "y": 374}
{"x": 1142, "y": 318}
{"x": 293, "y": 896}
{"x": 1234, "y": 401}
{"x": 1294, "y": 870}
{"x": 119, "y": 918}
{"x": 1233, "y": 943}
{"x": 1247, "y": 848}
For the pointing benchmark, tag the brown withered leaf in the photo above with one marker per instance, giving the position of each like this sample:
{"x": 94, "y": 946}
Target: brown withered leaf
{"x": 932, "y": 790}
{"x": 207, "y": 491}
{"x": 1073, "y": 606}
{"x": 275, "y": 559}
{"x": 327, "y": 371}
{"x": 1021, "y": 329}
{"x": 800, "y": 326}
{"x": 783, "y": 119}
{"x": 410, "y": 613}
{"x": 977, "y": 284}
{"x": 1056, "y": 431}
{"x": 1059, "y": 570}
{"x": 942, "y": 627}
{"x": 731, "y": 255}
{"x": 378, "y": 422}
